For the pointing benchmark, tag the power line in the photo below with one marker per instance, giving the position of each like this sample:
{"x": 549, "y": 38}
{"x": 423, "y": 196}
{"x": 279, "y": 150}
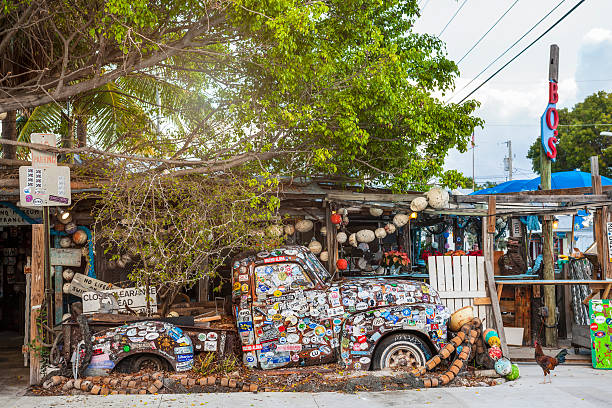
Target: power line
{"x": 525, "y": 49}
{"x": 488, "y": 31}
{"x": 507, "y": 49}
{"x": 538, "y": 124}
{"x": 453, "y": 17}
{"x": 424, "y": 5}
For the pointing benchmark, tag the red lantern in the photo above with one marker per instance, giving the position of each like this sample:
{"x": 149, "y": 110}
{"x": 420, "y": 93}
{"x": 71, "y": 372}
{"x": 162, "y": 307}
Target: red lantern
{"x": 336, "y": 218}
{"x": 342, "y": 264}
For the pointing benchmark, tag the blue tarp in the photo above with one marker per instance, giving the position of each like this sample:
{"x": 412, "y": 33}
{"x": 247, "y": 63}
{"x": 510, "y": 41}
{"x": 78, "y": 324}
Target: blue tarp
{"x": 562, "y": 179}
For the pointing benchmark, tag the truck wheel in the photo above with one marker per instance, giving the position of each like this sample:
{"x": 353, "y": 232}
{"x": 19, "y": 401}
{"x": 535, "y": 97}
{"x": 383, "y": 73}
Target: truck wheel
{"x": 148, "y": 362}
{"x": 401, "y": 350}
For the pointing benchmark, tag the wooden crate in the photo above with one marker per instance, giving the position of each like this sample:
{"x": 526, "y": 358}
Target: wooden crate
{"x": 460, "y": 281}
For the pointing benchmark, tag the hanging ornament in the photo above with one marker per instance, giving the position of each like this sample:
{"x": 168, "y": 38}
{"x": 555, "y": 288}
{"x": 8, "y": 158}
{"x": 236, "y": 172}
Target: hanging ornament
{"x": 400, "y": 220}
{"x": 364, "y": 247}
{"x": 380, "y": 233}
{"x": 336, "y": 218}
{"x": 365, "y": 235}
{"x": 390, "y": 228}
{"x": 315, "y": 247}
{"x": 289, "y": 229}
{"x": 352, "y": 240}
{"x": 324, "y": 256}
{"x": 418, "y": 204}
{"x": 437, "y": 198}
{"x": 79, "y": 237}
{"x": 65, "y": 242}
{"x": 68, "y": 274}
{"x": 304, "y": 225}
{"x": 70, "y": 228}
{"x": 376, "y": 212}
{"x": 341, "y": 237}
{"x": 323, "y": 231}
{"x": 342, "y": 211}
{"x": 342, "y": 264}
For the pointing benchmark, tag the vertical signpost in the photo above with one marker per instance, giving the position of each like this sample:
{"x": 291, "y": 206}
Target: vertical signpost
{"x": 549, "y": 122}
{"x": 42, "y": 185}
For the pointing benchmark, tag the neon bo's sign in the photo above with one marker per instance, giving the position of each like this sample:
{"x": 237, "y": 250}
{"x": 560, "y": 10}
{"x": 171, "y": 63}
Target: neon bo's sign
{"x": 550, "y": 121}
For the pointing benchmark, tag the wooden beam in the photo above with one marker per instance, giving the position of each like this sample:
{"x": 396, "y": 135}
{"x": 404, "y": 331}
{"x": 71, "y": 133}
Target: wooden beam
{"x": 487, "y": 239}
{"x": 373, "y": 197}
{"x": 491, "y": 212}
{"x": 37, "y": 297}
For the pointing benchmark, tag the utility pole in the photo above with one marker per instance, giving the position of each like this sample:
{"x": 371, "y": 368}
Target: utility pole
{"x": 548, "y": 271}
{"x": 473, "y": 166}
{"x": 508, "y": 160}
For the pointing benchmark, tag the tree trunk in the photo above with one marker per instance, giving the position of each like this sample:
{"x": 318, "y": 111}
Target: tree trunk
{"x": 9, "y": 132}
{"x": 81, "y": 131}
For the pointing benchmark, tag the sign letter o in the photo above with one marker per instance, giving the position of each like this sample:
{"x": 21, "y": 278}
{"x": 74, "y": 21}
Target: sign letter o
{"x": 555, "y": 114}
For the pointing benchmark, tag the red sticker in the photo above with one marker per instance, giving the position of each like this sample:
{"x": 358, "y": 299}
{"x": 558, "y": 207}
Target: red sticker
{"x": 594, "y": 326}
{"x": 361, "y": 339}
{"x": 252, "y": 347}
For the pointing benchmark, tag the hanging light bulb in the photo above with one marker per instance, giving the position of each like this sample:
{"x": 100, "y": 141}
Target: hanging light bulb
{"x": 555, "y": 224}
{"x": 414, "y": 215}
{"x": 63, "y": 216}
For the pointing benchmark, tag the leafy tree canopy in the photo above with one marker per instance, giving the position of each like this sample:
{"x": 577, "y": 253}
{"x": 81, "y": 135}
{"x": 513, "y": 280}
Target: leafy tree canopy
{"x": 287, "y": 87}
{"x": 578, "y": 143}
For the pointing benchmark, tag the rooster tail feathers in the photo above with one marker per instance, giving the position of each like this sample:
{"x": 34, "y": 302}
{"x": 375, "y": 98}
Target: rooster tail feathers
{"x": 561, "y": 356}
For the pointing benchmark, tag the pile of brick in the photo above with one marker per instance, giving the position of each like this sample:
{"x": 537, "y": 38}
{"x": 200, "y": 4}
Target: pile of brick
{"x": 143, "y": 384}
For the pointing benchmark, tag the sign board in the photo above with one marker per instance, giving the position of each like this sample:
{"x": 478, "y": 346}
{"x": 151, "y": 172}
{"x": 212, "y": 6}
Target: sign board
{"x": 8, "y": 216}
{"x": 40, "y": 158}
{"x": 609, "y": 230}
{"x": 44, "y": 186}
{"x": 134, "y": 298}
{"x": 65, "y": 256}
{"x": 81, "y": 283}
{"x": 600, "y": 312}
{"x": 516, "y": 230}
{"x": 549, "y": 122}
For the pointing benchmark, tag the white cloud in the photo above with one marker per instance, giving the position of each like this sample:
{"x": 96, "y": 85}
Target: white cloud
{"x": 597, "y": 35}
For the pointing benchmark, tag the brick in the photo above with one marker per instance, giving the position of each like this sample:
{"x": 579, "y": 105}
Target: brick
{"x": 145, "y": 377}
{"x": 113, "y": 382}
{"x": 123, "y": 392}
{"x": 96, "y": 379}
{"x": 57, "y": 379}
{"x": 77, "y": 383}
{"x": 86, "y": 386}
{"x": 114, "y": 392}
{"x": 232, "y": 383}
{"x": 202, "y": 381}
{"x": 253, "y": 387}
{"x": 106, "y": 380}
{"x": 224, "y": 382}
{"x": 157, "y": 376}
{"x": 142, "y": 391}
{"x": 191, "y": 382}
{"x": 152, "y": 389}
{"x": 105, "y": 391}
{"x": 245, "y": 388}
{"x": 68, "y": 385}
{"x": 210, "y": 380}
{"x": 427, "y": 383}
{"x": 434, "y": 382}
{"x": 95, "y": 390}
{"x": 133, "y": 391}
{"x": 159, "y": 384}
{"x": 124, "y": 383}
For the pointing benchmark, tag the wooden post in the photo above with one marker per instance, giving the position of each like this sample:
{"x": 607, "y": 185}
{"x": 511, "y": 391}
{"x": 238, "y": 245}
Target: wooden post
{"x": 487, "y": 251}
{"x": 548, "y": 270}
{"x": 330, "y": 240}
{"x": 600, "y": 234}
{"x": 58, "y": 286}
{"x": 37, "y": 297}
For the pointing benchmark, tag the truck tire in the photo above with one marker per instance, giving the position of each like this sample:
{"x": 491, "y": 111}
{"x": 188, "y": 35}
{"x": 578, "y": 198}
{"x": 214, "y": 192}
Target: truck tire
{"x": 148, "y": 361}
{"x": 400, "y": 350}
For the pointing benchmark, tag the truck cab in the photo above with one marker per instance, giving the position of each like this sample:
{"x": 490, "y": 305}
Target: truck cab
{"x": 290, "y": 313}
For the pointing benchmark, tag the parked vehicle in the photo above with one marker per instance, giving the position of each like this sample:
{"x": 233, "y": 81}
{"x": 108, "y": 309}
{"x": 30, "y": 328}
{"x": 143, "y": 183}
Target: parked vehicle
{"x": 290, "y": 313}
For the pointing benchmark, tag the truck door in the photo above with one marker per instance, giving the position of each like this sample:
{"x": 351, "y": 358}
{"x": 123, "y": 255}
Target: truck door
{"x": 290, "y": 317}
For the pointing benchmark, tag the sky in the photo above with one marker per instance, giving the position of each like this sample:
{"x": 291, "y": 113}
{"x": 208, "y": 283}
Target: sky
{"x": 513, "y": 101}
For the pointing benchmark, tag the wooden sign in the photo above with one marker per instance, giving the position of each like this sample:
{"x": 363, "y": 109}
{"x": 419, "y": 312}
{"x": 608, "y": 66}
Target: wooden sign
{"x": 40, "y": 158}
{"x": 516, "y": 230}
{"x": 134, "y": 298}
{"x": 65, "y": 256}
{"x": 8, "y": 216}
{"x": 44, "y": 186}
{"x": 81, "y": 283}
{"x": 609, "y": 230}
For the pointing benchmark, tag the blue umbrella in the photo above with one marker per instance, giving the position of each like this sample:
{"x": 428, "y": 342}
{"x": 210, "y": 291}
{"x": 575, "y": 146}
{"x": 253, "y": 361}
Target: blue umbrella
{"x": 561, "y": 179}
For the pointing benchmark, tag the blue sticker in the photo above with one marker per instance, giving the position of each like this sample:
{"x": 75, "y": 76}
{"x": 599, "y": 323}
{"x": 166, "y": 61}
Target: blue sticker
{"x": 359, "y": 352}
{"x": 312, "y": 325}
{"x": 250, "y": 358}
{"x": 184, "y": 357}
{"x": 406, "y": 312}
{"x": 245, "y": 326}
{"x": 175, "y": 333}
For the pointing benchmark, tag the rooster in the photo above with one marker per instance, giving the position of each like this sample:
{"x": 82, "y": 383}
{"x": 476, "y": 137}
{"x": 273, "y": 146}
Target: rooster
{"x": 546, "y": 362}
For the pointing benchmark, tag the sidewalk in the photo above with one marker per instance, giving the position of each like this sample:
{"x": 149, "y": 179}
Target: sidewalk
{"x": 572, "y": 386}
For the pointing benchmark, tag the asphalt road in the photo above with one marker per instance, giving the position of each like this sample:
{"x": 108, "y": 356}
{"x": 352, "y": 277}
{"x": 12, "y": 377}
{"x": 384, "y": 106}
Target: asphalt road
{"x": 572, "y": 386}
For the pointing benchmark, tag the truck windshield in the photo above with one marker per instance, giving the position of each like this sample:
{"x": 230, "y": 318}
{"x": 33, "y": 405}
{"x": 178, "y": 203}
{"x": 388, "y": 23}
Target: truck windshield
{"x": 316, "y": 266}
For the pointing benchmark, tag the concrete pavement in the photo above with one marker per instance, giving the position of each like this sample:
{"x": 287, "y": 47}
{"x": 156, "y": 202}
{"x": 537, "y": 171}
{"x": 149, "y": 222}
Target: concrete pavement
{"x": 572, "y": 386}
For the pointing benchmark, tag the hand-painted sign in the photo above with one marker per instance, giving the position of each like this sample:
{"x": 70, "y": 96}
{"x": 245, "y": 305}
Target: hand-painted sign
{"x": 609, "y": 229}
{"x": 8, "y": 216}
{"x": 134, "y": 298}
{"x": 81, "y": 283}
{"x": 549, "y": 122}
{"x": 65, "y": 256}
{"x": 40, "y": 158}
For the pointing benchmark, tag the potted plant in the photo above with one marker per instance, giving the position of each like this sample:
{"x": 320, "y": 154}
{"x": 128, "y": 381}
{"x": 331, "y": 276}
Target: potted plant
{"x": 395, "y": 260}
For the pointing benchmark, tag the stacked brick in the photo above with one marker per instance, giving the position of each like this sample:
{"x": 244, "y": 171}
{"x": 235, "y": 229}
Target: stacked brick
{"x": 144, "y": 384}
{"x": 468, "y": 337}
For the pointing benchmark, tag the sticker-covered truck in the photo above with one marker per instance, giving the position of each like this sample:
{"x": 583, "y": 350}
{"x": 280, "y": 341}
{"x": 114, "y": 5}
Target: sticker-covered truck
{"x": 290, "y": 313}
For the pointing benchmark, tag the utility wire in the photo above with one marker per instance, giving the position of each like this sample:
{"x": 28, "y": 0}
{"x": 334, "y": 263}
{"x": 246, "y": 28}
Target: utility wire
{"x": 424, "y": 5}
{"x": 488, "y": 31}
{"x": 453, "y": 17}
{"x": 525, "y": 49}
{"x": 507, "y": 49}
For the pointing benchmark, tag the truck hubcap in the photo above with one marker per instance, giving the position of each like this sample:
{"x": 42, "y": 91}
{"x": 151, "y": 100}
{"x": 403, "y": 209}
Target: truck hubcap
{"x": 402, "y": 356}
